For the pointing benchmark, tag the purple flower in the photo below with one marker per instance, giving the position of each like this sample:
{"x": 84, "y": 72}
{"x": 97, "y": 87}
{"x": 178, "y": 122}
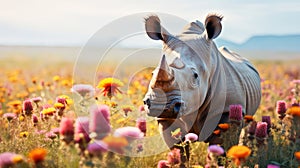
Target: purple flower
{"x": 27, "y": 107}
{"x": 174, "y": 156}
{"x": 267, "y": 119}
{"x": 100, "y": 121}
{"x": 142, "y": 125}
{"x": 273, "y": 166}
{"x": 83, "y": 90}
{"x": 191, "y": 137}
{"x": 66, "y": 129}
{"x": 163, "y": 164}
{"x": 215, "y": 149}
{"x": 82, "y": 130}
{"x": 236, "y": 112}
{"x": 140, "y": 148}
{"x": 281, "y": 107}
{"x": 35, "y": 119}
{"x": 97, "y": 148}
{"x": 51, "y": 135}
{"x": 261, "y": 129}
{"x": 130, "y": 133}
{"x": 9, "y": 116}
{"x": 8, "y": 159}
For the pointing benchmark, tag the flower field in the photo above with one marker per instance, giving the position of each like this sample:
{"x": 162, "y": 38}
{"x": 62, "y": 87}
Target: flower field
{"x": 48, "y": 119}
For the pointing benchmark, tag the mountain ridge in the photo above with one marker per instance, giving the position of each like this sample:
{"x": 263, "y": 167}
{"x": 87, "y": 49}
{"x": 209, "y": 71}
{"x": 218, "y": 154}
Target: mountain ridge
{"x": 289, "y": 43}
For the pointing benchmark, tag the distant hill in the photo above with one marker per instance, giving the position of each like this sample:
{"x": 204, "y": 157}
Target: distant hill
{"x": 284, "y": 43}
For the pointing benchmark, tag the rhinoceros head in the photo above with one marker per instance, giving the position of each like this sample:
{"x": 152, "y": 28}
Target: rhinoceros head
{"x": 180, "y": 83}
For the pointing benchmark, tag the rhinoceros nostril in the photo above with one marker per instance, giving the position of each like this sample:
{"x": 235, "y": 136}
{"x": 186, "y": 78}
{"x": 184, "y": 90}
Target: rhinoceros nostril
{"x": 177, "y": 107}
{"x": 147, "y": 102}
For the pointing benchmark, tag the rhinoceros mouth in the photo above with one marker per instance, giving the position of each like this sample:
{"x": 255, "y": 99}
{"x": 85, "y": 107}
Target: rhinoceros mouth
{"x": 171, "y": 109}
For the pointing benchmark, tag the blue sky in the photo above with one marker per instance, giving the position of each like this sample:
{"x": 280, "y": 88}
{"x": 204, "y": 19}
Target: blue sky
{"x": 54, "y": 22}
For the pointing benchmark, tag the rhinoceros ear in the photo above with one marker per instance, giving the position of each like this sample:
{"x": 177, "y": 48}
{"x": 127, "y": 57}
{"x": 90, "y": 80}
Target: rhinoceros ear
{"x": 213, "y": 25}
{"x": 154, "y": 29}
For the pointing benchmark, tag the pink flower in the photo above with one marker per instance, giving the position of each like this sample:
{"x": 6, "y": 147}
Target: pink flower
{"x": 82, "y": 130}
{"x": 163, "y": 164}
{"x": 296, "y": 81}
{"x": 83, "y": 90}
{"x": 100, "y": 121}
{"x": 97, "y": 148}
{"x": 130, "y": 133}
{"x": 215, "y": 149}
{"x": 273, "y": 166}
{"x": 142, "y": 125}
{"x": 261, "y": 129}
{"x": 40, "y": 132}
{"x": 55, "y": 130}
{"x": 281, "y": 107}
{"x": 66, "y": 129}
{"x": 236, "y": 112}
{"x": 61, "y": 100}
{"x": 27, "y": 107}
{"x": 141, "y": 108}
{"x": 174, "y": 156}
{"x": 191, "y": 137}
{"x": 50, "y": 135}
{"x": 36, "y": 99}
{"x": 9, "y": 116}
{"x": 267, "y": 119}
{"x": 7, "y": 159}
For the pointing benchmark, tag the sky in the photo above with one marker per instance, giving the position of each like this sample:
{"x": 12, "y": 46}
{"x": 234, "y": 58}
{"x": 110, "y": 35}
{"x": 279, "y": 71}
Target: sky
{"x": 56, "y": 22}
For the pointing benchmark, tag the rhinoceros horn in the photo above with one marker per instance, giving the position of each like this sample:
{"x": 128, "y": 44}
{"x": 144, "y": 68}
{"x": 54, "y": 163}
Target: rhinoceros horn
{"x": 164, "y": 76}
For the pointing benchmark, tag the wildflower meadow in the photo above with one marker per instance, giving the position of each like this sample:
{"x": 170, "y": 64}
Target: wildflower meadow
{"x": 49, "y": 119}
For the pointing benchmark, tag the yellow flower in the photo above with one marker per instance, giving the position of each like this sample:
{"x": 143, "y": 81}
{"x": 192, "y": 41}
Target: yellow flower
{"x": 69, "y": 101}
{"x": 294, "y": 111}
{"x": 224, "y": 126}
{"x": 37, "y": 155}
{"x": 115, "y": 143}
{"x": 110, "y": 86}
{"x": 59, "y": 105}
{"x": 21, "y": 118}
{"x": 17, "y": 159}
{"x": 49, "y": 111}
{"x": 14, "y": 103}
{"x": 238, "y": 153}
{"x": 297, "y": 155}
{"x": 248, "y": 118}
{"x": 24, "y": 134}
{"x": 217, "y": 132}
{"x": 56, "y": 78}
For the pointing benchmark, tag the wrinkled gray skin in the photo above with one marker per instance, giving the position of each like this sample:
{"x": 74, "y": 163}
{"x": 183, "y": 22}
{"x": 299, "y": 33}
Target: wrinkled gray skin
{"x": 195, "y": 82}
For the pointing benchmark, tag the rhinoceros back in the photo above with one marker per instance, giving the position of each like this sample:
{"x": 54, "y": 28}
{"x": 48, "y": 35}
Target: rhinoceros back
{"x": 242, "y": 81}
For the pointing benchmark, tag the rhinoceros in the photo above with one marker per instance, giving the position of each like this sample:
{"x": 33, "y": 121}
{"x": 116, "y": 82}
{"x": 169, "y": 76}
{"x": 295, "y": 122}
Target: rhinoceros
{"x": 195, "y": 82}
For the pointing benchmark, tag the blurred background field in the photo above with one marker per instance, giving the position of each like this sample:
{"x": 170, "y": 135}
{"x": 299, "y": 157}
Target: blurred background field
{"x": 24, "y": 69}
